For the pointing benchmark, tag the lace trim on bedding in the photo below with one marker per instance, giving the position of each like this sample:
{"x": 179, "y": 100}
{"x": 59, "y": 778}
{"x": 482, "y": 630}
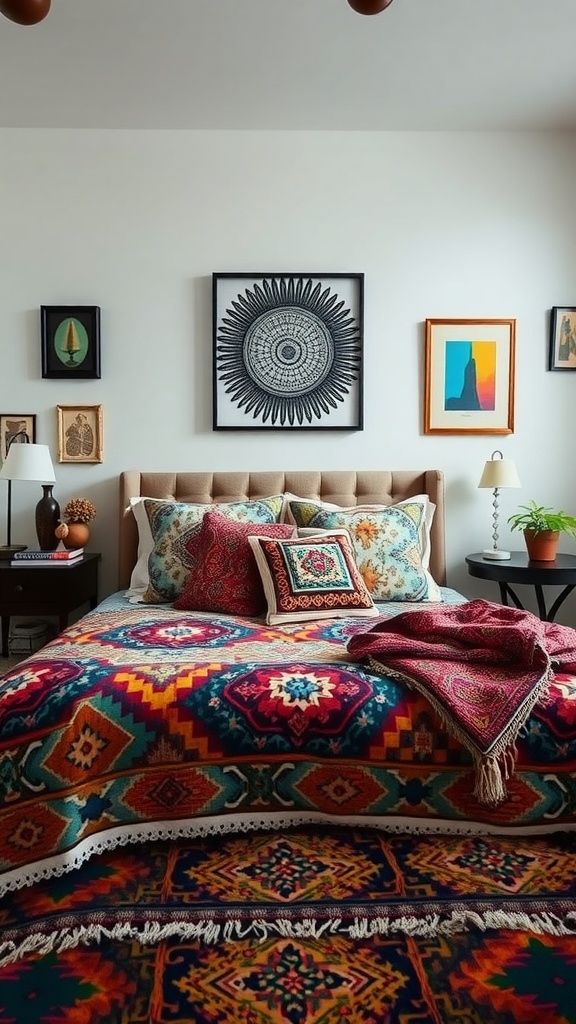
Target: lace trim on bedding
{"x": 54, "y": 867}
{"x": 211, "y": 932}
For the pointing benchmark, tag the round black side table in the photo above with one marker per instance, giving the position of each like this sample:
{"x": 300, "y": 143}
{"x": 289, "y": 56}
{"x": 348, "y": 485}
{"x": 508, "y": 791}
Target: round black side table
{"x": 519, "y": 569}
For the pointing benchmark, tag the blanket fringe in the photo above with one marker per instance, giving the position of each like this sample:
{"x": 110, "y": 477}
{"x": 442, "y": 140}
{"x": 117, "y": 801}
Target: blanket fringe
{"x": 489, "y": 785}
{"x": 211, "y": 932}
{"x": 493, "y": 767}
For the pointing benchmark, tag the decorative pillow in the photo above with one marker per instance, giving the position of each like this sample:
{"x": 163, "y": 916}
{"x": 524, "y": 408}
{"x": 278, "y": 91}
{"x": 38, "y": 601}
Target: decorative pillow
{"x": 140, "y": 579}
{"x": 225, "y": 576}
{"x": 429, "y": 510}
{"x": 172, "y": 524}
{"x": 285, "y": 516}
{"x": 390, "y": 542}
{"x": 311, "y": 578}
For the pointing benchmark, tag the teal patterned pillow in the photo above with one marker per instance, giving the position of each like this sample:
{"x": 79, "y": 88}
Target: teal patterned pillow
{"x": 173, "y": 523}
{"x": 389, "y": 543}
{"x": 311, "y": 578}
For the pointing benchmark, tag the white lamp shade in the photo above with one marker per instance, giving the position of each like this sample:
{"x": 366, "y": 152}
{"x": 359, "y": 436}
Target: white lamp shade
{"x": 28, "y": 462}
{"x": 499, "y": 473}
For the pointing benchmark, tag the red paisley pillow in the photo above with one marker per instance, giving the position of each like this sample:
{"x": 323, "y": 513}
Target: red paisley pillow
{"x": 225, "y": 577}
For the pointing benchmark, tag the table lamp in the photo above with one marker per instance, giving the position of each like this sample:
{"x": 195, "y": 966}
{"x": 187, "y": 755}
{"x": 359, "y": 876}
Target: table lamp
{"x": 27, "y": 461}
{"x": 498, "y": 472}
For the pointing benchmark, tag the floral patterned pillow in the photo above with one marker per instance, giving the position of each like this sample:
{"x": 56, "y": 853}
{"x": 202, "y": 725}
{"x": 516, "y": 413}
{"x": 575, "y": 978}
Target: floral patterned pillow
{"x": 174, "y": 523}
{"x": 225, "y": 576}
{"x": 390, "y": 544}
{"x": 311, "y": 578}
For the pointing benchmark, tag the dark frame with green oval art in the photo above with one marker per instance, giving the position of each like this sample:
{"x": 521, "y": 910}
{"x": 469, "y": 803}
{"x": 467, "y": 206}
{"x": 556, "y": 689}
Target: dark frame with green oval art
{"x": 70, "y": 342}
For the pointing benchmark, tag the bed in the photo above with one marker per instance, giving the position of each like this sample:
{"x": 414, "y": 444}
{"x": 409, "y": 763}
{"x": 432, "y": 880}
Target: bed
{"x": 148, "y": 734}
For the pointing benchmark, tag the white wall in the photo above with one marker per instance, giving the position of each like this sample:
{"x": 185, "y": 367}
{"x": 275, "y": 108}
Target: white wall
{"x": 442, "y": 225}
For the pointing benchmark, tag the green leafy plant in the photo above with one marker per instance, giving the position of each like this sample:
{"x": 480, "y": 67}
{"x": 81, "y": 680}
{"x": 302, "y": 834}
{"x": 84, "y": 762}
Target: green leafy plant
{"x": 539, "y": 518}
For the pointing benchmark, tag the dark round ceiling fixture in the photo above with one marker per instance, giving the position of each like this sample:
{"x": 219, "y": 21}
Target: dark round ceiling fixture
{"x": 369, "y": 6}
{"x": 25, "y": 12}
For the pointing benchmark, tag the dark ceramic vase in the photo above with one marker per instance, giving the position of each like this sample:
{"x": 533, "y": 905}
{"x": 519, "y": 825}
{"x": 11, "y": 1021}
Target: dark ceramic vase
{"x": 47, "y": 519}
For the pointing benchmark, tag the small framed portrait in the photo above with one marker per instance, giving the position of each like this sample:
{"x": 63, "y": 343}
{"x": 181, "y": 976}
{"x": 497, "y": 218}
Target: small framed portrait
{"x": 80, "y": 433}
{"x": 562, "y": 353}
{"x": 70, "y": 342}
{"x": 16, "y": 428}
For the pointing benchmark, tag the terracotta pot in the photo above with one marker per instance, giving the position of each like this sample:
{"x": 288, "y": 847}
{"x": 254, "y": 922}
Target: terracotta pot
{"x": 542, "y": 546}
{"x": 78, "y": 535}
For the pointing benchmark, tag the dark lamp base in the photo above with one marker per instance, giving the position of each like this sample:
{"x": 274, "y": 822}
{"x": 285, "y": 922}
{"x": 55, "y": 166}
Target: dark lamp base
{"x": 9, "y": 550}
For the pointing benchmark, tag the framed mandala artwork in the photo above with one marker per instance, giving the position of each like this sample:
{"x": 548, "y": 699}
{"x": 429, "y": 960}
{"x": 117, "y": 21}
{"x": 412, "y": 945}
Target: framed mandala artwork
{"x": 288, "y": 351}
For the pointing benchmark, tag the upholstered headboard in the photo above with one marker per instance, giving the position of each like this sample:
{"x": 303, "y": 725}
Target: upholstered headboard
{"x": 341, "y": 487}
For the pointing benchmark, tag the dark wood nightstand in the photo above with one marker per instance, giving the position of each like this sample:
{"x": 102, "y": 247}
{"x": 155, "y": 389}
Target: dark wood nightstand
{"x": 519, "y": 569}
{"x": 46, "y": 590}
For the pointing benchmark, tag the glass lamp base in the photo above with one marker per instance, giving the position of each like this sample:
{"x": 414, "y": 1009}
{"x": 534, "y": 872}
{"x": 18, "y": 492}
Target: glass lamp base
{"x": 496, "y": 554}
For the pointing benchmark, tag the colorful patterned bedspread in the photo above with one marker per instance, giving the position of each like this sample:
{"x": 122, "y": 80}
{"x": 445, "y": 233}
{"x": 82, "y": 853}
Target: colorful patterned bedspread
{"x": 143, "y": 722}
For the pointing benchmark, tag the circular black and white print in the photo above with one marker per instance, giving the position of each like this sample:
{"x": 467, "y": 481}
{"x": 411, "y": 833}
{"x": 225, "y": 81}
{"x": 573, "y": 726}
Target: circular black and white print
{"x": 288, "y": 351}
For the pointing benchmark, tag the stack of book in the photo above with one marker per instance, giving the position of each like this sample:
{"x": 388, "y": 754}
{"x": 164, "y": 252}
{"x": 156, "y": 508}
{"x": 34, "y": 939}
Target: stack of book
{"x": 61, "y": 557}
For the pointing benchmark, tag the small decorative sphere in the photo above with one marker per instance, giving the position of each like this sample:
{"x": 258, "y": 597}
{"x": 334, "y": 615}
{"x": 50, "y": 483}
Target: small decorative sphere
{"x": 369, "y": 6}
{"x": 61, "y": 531}
{"x": 25, "y": 12}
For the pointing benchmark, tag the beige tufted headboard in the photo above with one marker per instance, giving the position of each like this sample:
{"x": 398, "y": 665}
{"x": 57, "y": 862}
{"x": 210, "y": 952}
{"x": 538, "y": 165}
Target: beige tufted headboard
{"x": 342, "y": 487}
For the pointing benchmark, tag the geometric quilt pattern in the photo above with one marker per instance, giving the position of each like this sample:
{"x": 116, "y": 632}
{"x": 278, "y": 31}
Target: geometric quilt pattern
{"x": 150, "y": 723}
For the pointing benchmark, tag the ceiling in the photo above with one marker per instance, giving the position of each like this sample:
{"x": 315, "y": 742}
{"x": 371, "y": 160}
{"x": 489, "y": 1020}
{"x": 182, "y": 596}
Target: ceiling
{"x": 292, "y": 64}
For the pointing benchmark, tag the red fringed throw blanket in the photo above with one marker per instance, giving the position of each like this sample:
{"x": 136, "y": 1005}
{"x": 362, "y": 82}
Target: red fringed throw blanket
{"x": 481, "y": 665}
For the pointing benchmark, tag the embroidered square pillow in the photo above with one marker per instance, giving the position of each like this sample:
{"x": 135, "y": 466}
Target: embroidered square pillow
{"x": 390, "y": 542}
{"x": 172, "y": 525}
{"x": 311, "y": 578}
{"x": 225, "y": 577}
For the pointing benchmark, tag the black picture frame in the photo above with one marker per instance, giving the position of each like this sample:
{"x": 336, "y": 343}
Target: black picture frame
{"x": 288, "y": 351}
{"x": 70, "y": 342}
{"x": 13, "y": 427}
{"x": 562, "y": 350}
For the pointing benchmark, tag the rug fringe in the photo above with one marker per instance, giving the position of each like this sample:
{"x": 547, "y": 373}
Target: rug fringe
{"x": 210, "y": 932}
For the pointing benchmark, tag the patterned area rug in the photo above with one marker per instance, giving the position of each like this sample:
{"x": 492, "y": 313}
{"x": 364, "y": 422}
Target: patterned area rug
{"x": 313, "y": 926}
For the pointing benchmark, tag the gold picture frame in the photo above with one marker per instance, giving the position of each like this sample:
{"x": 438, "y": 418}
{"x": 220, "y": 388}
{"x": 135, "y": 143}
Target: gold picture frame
{"x": 80, "y": 433}
{"x": 469, "y": 376}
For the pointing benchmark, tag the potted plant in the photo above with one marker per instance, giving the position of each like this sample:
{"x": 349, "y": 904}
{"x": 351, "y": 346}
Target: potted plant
{"x": 74, "y": 531}
{"x": 542, "y": 527}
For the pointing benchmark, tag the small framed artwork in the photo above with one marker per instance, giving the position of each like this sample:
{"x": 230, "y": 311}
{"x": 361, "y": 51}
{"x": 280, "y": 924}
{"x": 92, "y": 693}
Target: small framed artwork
{"x": 16, "y": 428}
{"x": 288, "y": 351}
{"x": 562, "y": 354}
{"x": 80, "y": 433}
{"x": 70, "y": 342}
{"x": 469, "y": 376}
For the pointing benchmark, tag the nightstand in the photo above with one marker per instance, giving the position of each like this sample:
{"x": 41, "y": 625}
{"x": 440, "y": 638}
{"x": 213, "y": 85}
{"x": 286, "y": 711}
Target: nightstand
{"x": 519, "y": 569}
{"x": 46, "y": 590}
